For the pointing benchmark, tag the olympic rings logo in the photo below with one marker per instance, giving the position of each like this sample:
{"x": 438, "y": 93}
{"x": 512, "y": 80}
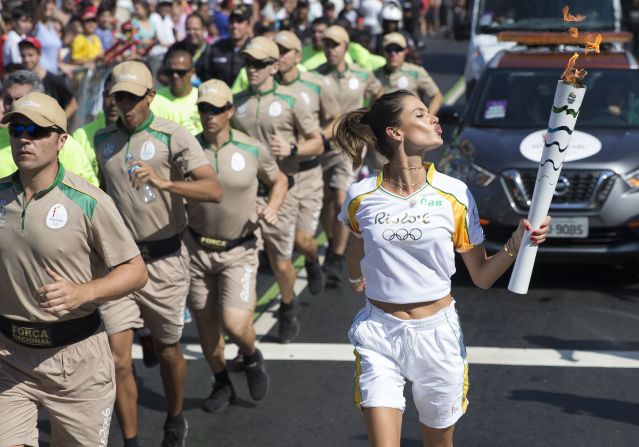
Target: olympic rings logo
{"x": 402, "y": 236}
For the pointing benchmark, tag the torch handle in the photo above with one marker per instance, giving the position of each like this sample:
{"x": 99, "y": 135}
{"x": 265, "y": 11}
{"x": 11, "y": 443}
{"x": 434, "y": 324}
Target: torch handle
{"x": 561, "y": 125}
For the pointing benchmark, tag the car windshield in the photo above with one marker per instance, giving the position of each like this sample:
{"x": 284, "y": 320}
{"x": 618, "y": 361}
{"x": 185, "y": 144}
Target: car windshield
{"x": 544, "y": 15}
{"x": 523, "y": 98}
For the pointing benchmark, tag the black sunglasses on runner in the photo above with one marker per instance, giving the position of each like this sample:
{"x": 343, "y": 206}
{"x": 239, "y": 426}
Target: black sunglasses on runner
{"x": 210, "y": 109}
{"x": 180, "y": 72}
{"x": 34, "y": 132}
{"x": 126, "y": 96}
{"x": 258, "y": 65}
{"x": 394, "y": 49}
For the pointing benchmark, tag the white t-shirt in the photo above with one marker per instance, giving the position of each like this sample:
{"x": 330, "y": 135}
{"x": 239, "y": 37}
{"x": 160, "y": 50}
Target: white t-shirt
{"x": 409, "y": 242}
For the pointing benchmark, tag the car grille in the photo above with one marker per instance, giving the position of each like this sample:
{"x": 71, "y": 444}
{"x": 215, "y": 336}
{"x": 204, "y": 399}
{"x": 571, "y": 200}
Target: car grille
{"x": 582, "y": 189}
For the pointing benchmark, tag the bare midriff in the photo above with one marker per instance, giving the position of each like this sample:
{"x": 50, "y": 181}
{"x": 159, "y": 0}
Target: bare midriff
{"x": 414, "y": 311}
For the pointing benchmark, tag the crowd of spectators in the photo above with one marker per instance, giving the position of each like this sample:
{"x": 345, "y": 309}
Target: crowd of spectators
{"x": 54, "y": 38}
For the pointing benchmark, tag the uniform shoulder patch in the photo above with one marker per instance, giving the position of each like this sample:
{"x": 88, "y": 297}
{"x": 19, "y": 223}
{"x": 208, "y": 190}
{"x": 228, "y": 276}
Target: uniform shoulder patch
{"x": 241, "y": 97}
{"x": 359, "y": 71}
{"x": 84, "y": 200}
{"x": 284, "y": 95}
{"x": 246, "y": 143}
{"x": 103, "y": 134}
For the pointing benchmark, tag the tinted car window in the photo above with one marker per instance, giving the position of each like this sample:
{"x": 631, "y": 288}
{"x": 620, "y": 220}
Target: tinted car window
{"x": 523, "y": 98}
{"x": 500, "y": 15}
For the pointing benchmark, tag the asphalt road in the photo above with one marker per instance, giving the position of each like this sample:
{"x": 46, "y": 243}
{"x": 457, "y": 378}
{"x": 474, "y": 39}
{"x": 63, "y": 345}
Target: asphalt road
{"x": 571, "y": 314}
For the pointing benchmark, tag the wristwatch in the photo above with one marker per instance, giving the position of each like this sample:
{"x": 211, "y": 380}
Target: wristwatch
{"x": 293, "y": 150}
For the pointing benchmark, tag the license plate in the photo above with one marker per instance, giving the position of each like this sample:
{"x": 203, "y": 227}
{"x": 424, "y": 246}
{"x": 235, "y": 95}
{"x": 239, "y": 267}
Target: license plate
{"x": 570, "y": 227}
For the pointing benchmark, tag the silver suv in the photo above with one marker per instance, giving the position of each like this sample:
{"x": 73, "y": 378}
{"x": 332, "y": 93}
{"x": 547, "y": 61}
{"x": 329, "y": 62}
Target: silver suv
{"x": 499, "y": 140}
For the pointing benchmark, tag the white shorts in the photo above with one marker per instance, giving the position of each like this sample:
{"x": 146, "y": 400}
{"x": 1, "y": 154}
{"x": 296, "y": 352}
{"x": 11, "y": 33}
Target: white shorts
{"x": 429, "y": 352}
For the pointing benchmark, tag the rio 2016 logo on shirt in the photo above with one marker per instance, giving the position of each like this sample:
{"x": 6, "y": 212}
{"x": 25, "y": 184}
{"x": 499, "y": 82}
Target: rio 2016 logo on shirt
{"x": 402, "y": 236}
{"x": 57, "y": 216}
{"x": 148, "y": 151}
{"x": 387, "y": 219}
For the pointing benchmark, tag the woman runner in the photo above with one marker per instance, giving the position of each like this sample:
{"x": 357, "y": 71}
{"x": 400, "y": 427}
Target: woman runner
{"x": 409, "y": 221}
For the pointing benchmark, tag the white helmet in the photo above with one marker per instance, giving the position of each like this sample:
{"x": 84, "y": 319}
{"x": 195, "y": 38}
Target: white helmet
{"x": 392, "y": 12}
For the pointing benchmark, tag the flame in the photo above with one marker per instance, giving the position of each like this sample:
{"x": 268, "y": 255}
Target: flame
{"x": 571, "y": 74}
{"x": 593, "y": 46}
{"x": 574, "y": 32}
{"x": 571, "y": 18}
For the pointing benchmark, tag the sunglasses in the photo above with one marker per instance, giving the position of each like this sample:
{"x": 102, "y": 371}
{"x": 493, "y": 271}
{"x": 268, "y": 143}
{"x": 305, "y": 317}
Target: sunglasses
{"x": 128, "y": 97}
{"x": 210, "y": 109}
{"x": 258, "y": 65}
{"x": 33, "y": 131}
{"x": 180, "y": 72}
{"x": 394, "y": 49}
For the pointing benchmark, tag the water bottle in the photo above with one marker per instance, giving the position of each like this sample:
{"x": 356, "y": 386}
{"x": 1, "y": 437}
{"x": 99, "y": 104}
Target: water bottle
{"x": 148, "y": 194}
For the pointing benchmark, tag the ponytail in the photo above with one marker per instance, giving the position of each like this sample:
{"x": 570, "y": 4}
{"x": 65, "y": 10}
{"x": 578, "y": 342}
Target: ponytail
{"x": 366, "y": 128}
{"x": 353, "y": 135}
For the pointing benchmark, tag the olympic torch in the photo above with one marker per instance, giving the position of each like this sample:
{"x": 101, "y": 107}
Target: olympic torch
{"x": 563, "y": 117}
{"x": 561, "y": 124}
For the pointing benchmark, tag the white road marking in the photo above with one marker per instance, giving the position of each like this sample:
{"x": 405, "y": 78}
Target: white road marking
{"x": 343, "y": 352}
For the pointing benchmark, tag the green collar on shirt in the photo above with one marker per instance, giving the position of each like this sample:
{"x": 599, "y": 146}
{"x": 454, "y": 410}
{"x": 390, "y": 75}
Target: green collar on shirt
{"x": 15, "y": 179}
{"x": 267, "y": 92}
{"x": 140, "y": 128}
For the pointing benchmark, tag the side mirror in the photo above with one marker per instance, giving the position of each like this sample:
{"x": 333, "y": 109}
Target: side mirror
{"x": 450, "y": 115}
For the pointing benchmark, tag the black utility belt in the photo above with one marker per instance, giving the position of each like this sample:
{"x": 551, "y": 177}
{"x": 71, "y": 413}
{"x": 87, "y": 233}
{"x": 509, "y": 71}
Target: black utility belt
{"x": 263, "y": 189}
{"x": 308, "y": 164}
{"x": 212, "y": 244}
{"x": 50, "y": 335}
{"x": 158, "y": 249}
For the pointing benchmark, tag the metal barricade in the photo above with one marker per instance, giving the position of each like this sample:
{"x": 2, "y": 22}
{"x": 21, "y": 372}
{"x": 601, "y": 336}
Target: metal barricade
{"x": 87, "y": 84}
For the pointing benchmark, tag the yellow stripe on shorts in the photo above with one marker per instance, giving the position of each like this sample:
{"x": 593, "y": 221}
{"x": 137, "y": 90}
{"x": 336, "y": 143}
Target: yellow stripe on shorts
{"x": 466, "y": 386}
{"x": 358, "y": 372}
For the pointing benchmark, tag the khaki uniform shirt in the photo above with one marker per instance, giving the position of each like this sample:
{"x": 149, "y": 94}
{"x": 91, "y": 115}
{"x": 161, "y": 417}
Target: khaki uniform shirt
{"x": 238, "y": 163}
{"x": 355, "y": 86}
{"x": 72, "y": 227}
{"x": 317, "y": 93}
{"x": 277, "y": 111}
{"x": 409, "y": 77}
{"x": 171, "y": 150}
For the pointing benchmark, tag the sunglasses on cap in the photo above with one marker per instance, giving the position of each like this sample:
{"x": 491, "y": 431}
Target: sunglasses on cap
{"x": 258, "y": 65}
{"x": 33, "y": 131}
{"x": 394, "y": 49}
{"x": 210, "y": 109}
{"x": 126, "y": 96}
{"x": 180, "y": 72}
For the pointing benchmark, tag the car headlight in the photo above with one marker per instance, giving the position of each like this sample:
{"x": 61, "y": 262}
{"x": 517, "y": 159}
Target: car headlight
{"x": 632, "y": 179}
{"x": 468, "y": 172}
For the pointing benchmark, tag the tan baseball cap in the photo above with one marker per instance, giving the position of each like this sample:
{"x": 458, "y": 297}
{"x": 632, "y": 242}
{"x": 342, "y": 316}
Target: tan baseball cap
{"x": 215, "y": 92}
{"x": 394, "y": 39}
{"x": 262, "y": 48}
{"x": 42, "y": 109}
{"x": 132, "y": 77}
{"x": 337, "y": 34}
{"x": 288, "y": 40}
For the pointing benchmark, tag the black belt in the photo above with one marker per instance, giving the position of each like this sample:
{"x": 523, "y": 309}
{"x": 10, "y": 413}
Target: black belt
{"x": 212, "y": 244}
{"x": 327, "y": 144}
{"x": 152, "y": 250}
{"x": 50, "y": 335}
{"x": 308, "y": 164}
{"x": 263, "y": 189}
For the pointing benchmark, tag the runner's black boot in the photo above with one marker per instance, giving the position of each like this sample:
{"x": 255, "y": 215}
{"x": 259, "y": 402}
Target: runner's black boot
{"x": 315, "y": 276}
{"x": 256, "y": 375}
{"x": 289, "y": 325}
